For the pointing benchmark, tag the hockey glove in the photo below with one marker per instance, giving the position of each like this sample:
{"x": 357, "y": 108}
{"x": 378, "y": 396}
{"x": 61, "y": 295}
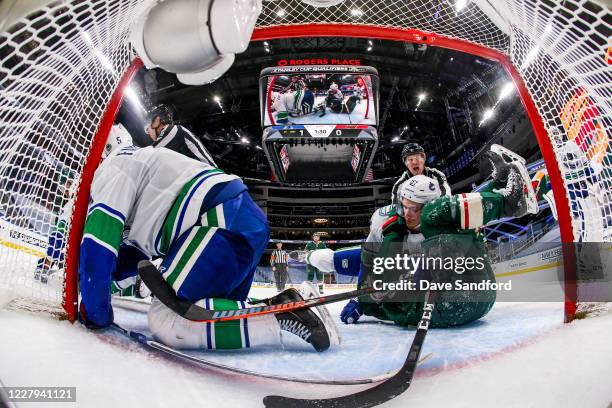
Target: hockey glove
{"x": 351, "y": 312}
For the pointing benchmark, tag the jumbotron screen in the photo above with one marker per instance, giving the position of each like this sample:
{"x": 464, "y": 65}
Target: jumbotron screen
{"x": 320, "y": 97}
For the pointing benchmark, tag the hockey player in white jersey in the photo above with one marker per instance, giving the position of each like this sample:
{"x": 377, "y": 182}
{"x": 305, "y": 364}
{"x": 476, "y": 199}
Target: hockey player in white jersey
{"x": 210, "y": 236}
{"x": 54, "y": 258}
{"x": 292, "y": 104}
{"x": 347, "y": 261}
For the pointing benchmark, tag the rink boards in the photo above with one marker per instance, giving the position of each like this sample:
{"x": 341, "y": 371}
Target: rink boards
{"x": 21, "y": 239}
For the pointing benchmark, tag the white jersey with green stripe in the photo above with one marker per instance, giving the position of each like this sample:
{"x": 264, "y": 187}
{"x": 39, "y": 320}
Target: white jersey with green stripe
{"x": 376, "y": 222}
{"x": 412, "y": 240}
{"x": 138, "y": 187}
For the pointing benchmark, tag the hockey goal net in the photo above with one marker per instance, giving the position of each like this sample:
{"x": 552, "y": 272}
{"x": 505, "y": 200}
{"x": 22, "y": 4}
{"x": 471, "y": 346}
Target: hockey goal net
{"x": 66, "y": 66}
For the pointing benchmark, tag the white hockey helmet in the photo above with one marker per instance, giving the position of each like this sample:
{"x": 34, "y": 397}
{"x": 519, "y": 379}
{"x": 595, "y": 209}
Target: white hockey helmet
{"x": 420, "y": 189}
{"x": 333, "y": 86}
{"x": 118, "y": 137}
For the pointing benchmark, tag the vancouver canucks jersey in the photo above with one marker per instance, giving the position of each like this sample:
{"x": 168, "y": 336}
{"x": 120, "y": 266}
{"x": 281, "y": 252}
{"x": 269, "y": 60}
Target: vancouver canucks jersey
{"x": 136, "y": 190}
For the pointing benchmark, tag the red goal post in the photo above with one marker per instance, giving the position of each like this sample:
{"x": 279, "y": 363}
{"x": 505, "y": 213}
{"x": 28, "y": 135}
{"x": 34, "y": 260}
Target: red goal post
{"x": 71, "y": 285}
{"x": 420, "y": 37}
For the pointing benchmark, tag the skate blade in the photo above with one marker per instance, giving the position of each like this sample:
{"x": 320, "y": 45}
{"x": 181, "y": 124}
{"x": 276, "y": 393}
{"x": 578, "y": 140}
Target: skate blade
{"x": 308, "y": 290}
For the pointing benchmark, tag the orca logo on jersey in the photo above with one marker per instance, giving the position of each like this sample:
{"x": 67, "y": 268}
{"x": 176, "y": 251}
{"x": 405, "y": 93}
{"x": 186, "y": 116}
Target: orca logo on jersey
{"x": 385, "y": 210}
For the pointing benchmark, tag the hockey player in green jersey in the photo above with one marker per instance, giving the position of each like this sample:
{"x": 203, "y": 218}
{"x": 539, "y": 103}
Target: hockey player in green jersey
{"x": 315, "y": 244}
{"x": 449, "y": 226}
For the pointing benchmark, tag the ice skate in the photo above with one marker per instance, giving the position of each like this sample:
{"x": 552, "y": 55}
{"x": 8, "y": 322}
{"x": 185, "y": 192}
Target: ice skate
{"x": 304, "y": 323}
{"x": 511, "y": 179}
{"x": 309, "y": 291}
{"x": 41, "y": 275}
{"x": 518, "y": 196}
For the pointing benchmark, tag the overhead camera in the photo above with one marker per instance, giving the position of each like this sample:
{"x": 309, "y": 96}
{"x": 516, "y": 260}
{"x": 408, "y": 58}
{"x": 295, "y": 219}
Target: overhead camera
{"x": 195, "y": 39}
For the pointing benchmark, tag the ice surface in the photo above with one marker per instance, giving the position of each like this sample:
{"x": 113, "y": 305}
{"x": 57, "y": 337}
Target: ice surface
{"x": 372, "y": 348}
{"x": 518, "y": 355}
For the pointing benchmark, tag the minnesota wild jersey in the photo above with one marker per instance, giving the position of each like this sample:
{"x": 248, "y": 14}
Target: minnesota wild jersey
{"x": 448, "y": 225}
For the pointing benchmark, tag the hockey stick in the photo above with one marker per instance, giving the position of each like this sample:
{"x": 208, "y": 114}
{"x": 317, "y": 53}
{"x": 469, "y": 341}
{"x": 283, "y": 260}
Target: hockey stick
{"x": 379, "y": 394}
{"x": 185, "y": 356}
{"x": 165, "y": 293}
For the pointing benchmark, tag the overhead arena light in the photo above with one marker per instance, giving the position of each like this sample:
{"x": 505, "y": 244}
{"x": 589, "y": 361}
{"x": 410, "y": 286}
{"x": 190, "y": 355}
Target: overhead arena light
{"x": 422, "y": 97}
{"x": 486, "y": 116}
{"x": 506, "y": 90}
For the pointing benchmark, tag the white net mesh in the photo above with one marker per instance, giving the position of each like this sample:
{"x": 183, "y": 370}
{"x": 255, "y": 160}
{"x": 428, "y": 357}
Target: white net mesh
{"x": 61, "y": 64}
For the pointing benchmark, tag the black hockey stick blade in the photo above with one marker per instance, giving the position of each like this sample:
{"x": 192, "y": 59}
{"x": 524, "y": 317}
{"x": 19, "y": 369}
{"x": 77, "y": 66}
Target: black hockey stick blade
{"x": 379, "y": 394}
{"x": 165, "y": 293}
{"x": 152, "y": 277}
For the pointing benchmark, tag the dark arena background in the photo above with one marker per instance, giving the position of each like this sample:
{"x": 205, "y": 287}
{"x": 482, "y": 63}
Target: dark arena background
{"x": 453, "y": 104}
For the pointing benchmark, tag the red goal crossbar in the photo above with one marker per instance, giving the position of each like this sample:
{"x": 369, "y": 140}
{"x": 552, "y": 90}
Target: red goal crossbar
{"x": 331, "y": 30}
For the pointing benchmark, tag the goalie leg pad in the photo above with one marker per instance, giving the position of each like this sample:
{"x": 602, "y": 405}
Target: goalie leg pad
{"x": 175, "y": 331}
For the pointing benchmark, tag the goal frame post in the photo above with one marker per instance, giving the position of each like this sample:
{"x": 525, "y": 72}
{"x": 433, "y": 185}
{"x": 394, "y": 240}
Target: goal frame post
{"x": 71, "y": 285}
{"x": 70, "y": 299}
{"x": 422, "y": 37}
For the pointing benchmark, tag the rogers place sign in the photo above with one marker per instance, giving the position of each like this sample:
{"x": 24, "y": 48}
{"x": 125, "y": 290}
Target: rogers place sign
{"x": 317, "y": 61}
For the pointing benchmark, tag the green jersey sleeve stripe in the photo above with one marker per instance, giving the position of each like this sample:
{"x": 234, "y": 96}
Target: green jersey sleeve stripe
{"x": 104, "y": 228}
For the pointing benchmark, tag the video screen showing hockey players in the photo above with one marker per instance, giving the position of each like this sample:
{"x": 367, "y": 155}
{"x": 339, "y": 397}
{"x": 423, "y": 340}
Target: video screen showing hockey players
{"x": 320, "y": 99}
